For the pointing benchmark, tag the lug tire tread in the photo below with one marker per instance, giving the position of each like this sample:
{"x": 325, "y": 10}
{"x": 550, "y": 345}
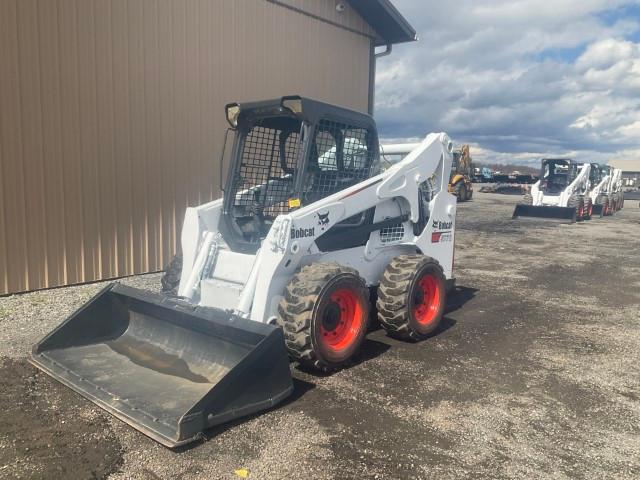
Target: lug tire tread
{"x": 393, "y": 302}
{"x": 296, "y": 309}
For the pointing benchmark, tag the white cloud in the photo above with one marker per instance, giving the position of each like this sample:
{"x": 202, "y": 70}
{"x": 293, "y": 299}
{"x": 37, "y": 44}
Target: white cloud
{"x": 607, "y": 53}
{"x": 631, "y": 131}
{"x": 520, "y": 79}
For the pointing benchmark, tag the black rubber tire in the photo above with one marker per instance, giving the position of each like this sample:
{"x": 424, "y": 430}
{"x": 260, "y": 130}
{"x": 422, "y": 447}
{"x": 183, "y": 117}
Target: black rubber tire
{"x": 460, "y": 191}
{"x": 171, "y": 278}
{"x": 601, "y": 200}
{"x": 469, "y": 194}
{"x": 575, "y": 201}
{"x": 300, "y": 313}
{"x": 606, "y": 205}
{"x": 396, "y": 296}
{"x": 588, "y": 207}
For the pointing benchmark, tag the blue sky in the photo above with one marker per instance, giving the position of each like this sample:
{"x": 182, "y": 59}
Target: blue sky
{"x": 517, "y": 79}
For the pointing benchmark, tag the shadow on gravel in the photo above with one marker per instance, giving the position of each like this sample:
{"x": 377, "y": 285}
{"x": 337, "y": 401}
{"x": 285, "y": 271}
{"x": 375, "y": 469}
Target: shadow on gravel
{"x": 370, "y": 349}
{"x": 458, "y": 297}
{"x": 445, "y": 324}
{"x": 300, "y": 388}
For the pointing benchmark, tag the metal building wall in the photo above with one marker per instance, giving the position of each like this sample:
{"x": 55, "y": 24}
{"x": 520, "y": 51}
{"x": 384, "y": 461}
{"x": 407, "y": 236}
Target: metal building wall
{"x": 111, "y": 118}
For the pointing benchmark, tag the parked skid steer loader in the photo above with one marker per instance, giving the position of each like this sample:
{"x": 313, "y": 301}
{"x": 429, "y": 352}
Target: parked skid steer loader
{"x": 617, "y": 193}
{"x": 560, "y": 194}
{"x": 608, "y": 194}
{"x": 281, "y": 266}
{"x": 600, "y": 182}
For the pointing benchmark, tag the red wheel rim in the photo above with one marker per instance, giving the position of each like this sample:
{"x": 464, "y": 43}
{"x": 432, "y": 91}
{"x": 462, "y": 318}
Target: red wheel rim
{"x": 341, "y": 320}
{"x": 426, "y": 299}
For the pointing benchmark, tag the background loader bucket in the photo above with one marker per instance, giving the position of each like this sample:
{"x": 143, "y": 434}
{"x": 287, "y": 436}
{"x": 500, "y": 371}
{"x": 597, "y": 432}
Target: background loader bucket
{"x": 167, "y": 368}
{"x": 548, "y": 212}
{"x": 597, "y": 209}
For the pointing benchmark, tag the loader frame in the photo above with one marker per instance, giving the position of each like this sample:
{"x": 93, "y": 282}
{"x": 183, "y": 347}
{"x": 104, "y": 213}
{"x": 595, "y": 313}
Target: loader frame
{"x": 403, "y": 210}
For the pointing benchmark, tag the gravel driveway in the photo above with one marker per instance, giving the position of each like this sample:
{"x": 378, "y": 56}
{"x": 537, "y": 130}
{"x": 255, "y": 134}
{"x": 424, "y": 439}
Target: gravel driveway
{"x": 533, "y": 374}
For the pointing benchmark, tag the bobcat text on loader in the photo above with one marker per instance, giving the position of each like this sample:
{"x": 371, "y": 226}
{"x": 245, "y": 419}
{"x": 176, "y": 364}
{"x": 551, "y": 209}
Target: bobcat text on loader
{"x": 282, "y": 266}
{"x": 561, "y": 193}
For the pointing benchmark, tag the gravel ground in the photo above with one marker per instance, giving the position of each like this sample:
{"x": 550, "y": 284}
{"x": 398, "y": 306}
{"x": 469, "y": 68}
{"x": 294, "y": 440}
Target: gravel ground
{"x": 534, "y": 373}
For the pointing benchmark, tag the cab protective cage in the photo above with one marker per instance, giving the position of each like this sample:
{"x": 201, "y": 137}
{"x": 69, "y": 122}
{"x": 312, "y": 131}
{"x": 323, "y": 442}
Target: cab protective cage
{"x": 290, "y": 152}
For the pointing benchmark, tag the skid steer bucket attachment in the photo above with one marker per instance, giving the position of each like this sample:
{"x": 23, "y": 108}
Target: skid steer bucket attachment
{"x": 165, "y": 367}
{"x": 548, "y": 212}
{"x": 597, "y": 209}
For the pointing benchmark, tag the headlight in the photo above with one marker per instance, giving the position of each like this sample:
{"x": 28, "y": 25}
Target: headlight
{"x": 233, "y": 111}
{"x": 294, "y": 104}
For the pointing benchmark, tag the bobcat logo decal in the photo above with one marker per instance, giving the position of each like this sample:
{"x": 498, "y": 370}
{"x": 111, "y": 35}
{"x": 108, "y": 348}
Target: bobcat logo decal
{"x": 444, "y": 235}
{"x": 323, "y": 220}
{"x": 438, "y": 225}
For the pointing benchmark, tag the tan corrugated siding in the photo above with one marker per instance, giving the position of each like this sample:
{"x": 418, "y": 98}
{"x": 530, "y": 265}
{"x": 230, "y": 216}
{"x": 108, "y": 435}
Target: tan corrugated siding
{"x": 327, "y": 10}
{"x": 111, "y": 119}
{"x": 626, "y": 165}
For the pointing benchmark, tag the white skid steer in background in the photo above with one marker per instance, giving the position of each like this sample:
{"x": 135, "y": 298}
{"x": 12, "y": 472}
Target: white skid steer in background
{"x": 560, "y": 194}
{"x": 607, "y": 195}
{"x": 617, "y": 194}
{"x": 281, "y": 266}
{"x": 600, "y": 179}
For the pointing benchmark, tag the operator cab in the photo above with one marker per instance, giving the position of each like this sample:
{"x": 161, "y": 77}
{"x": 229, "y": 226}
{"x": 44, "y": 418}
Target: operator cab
{"x": 288, "y": 153}
{"x": 595, "y": 174}
{"x": 461, "y": 164}
{"x": 556, "y": 174}
{"x": 455, "y": 163}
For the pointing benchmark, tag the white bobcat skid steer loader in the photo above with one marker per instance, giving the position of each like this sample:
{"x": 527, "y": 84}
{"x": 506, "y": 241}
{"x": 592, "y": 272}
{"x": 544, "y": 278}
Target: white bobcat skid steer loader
{"x": 609, "y": 197}
{"x": 600, "y": 180}
{"x": 560, "y": 194}
{"x": 617, "y": 193}
{"x": 308, "y": 224}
